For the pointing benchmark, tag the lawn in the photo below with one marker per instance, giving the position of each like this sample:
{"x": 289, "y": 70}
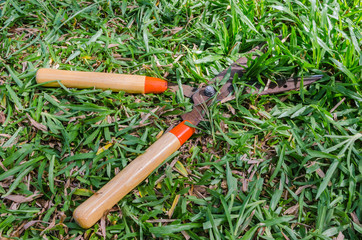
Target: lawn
{"x": 285, "y": 166}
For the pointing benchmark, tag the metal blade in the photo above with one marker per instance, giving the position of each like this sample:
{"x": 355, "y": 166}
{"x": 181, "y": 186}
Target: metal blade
{"x": 187, "y": 90}
{"x": 202, "y": 100}
{"x": 283, "y": 86}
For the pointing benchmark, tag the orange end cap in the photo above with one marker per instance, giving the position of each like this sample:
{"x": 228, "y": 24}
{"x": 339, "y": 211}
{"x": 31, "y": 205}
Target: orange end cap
{"x": 183, "y": 132}
{"x": 155, "y": 85}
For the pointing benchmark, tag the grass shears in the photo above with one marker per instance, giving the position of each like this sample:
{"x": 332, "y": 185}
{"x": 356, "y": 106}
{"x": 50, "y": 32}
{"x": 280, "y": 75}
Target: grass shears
{"x": 219, "y": 90}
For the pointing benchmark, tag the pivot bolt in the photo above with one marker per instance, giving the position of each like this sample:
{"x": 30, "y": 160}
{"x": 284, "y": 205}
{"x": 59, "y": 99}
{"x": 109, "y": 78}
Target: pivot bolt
{"x": 209, "y": 91}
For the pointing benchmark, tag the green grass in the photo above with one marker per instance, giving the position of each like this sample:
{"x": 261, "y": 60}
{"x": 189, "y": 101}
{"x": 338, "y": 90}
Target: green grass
{"x": 270, "y": 167}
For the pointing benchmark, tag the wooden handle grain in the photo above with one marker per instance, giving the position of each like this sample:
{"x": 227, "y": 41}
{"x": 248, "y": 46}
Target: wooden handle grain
{"x": 89, "y": 212}
{"x": 113, "y": 81}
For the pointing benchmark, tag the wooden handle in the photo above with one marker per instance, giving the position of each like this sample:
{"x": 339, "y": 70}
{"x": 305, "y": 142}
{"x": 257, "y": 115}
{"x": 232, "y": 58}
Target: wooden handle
{"x": 113, "y": 81}
{"x": 89, "y": 212}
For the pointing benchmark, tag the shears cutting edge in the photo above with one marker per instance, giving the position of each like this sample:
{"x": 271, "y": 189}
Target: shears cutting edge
{"x": 90, "y": 211}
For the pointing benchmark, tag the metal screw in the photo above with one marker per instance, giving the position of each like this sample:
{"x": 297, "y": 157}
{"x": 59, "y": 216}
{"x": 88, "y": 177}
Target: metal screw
{"x": 209, "y": 91}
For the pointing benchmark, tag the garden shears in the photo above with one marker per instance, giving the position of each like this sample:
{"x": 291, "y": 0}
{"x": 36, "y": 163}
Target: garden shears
{"x": 90, "y": 211}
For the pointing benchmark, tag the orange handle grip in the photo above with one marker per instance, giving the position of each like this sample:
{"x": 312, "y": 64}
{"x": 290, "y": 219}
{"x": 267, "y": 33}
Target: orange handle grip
{"x": 113, "y": 81}
{"x": 90, "y": 211}
{"x": 183, "y": 132}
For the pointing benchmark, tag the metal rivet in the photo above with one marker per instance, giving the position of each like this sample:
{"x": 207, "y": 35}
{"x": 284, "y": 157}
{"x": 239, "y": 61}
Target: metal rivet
{"x": 209, "y": 91}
